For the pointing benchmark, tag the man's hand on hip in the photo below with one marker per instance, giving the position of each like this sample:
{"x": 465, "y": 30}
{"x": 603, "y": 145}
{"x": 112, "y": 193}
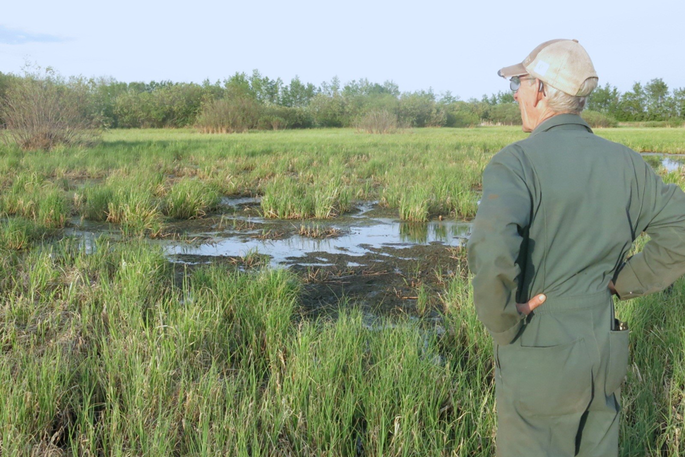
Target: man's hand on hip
{"x": 527, "y": 308}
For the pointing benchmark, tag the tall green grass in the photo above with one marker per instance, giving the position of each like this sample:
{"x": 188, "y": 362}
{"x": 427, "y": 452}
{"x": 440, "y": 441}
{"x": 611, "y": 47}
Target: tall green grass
{"x": 140, "y": 178}
{"x": 118, "y": 357}
{"x": 33, "y": 197}
{"x": 115, "y": 351}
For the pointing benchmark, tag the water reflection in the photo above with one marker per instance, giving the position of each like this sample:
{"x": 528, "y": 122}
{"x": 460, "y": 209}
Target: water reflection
{"x": 670, "y": 162}
{"x": 360, "y": 237}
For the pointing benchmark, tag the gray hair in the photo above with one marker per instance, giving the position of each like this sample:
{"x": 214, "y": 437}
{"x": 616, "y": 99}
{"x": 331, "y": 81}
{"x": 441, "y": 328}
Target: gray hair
{"x": 561, "y": 102}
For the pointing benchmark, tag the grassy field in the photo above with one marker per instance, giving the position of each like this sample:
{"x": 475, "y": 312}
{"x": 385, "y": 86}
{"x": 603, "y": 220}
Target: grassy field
{"x": 117, "y": 351}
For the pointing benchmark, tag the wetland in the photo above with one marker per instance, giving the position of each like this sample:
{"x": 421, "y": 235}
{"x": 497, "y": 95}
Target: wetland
{"x": 274, "y": 293}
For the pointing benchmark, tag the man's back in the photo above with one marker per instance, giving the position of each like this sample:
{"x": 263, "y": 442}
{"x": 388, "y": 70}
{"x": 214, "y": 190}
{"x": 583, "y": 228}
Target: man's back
{"x": 567, "y": 206}
{"x": 587, "y": 199}
{"x": 558, "y": 215}
{"x": 559, "y": 212}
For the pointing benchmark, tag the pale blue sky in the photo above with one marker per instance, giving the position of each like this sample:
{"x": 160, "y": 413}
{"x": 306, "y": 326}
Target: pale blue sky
{"x": 447, "y": 45}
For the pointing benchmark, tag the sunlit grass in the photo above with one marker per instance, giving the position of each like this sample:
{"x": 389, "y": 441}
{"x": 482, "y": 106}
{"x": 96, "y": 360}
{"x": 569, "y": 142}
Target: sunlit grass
{"x": 115, "y": 351}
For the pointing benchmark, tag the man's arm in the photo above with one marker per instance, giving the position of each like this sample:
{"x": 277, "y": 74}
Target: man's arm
{"x": 662, "y": 259}
{"x": 494, "y": 246}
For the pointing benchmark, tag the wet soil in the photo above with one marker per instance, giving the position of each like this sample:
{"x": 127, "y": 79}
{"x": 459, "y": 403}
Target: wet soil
{"x": 387, "y": 281}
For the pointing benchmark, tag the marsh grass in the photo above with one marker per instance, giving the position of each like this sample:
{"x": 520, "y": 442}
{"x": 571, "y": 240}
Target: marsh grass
{"x": 18, "y": 233}
{"x": 191, "y": 199}
{"x": 33, "y": 197}
{"x": 653, "y": 397}
{"x": 122, "y": 353}
{"x": 137, "y": 212}
{"x": 422, "y": 173}
{"x": 115, "y": 351}
{"x": 285, "y": 198}
{"x": 93, "y": 202}
{"x": 414, "y": 205}
{"x": 141, "y": 178}
{"x": 117, "y": 357}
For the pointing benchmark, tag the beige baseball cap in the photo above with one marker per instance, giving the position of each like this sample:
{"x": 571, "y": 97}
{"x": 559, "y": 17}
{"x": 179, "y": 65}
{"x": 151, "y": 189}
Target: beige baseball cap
{"x": 563, "y": 64}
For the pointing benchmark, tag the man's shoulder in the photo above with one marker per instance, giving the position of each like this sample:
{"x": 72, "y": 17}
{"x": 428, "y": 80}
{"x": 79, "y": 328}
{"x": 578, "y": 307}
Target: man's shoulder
{"x": 511, "y": 154}
{"x": 511, "y": 157}
{"x": 542, "y": 141}
{"x": 515, "y": 149}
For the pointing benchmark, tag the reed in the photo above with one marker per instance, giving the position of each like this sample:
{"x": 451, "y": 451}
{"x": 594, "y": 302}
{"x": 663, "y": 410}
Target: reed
{"x": 110, "y": 349}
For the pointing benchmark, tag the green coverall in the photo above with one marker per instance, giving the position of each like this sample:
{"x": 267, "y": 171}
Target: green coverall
{"x": 558, "y": 214}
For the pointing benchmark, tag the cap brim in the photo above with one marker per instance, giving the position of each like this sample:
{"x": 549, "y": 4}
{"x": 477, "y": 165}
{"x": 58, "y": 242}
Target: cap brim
{"x": 514, "y": 70}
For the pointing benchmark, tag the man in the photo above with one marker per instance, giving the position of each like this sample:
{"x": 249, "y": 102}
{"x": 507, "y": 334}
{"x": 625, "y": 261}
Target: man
{"x": 558, "y": 214}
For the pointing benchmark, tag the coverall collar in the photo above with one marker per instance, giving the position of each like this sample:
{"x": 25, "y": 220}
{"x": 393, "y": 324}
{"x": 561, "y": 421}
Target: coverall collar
{"x": 569, "y": 120}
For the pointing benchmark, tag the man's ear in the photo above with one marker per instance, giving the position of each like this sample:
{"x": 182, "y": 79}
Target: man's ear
{"x": 540, "y": 94}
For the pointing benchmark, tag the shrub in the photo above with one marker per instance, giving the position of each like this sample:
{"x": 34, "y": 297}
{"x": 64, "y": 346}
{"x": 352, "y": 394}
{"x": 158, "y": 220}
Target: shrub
{"x": 276, "y": 117}
{"x": 418, "y": 109}
{"x": 42, "y": 112}
{"x": 597, "y": 119}
{"x": 673, "y": 123}
{"x": 377, "y": 121}
{"x": 460, "y": 114}
{"x": 159, "y": 106}
{"x": 327, "y": 111}
{"x": 504, "y": 114}
{"x": 229, "y": 115}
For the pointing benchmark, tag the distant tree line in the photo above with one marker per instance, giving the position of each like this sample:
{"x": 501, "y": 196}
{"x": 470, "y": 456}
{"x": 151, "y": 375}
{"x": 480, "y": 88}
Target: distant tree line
{"x": 653, "y": 101}
{"x": 252, "y": 101}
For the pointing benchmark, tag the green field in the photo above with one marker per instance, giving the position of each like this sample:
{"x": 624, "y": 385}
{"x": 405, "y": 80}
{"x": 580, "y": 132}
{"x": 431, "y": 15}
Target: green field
{"x": 117, "y": 351}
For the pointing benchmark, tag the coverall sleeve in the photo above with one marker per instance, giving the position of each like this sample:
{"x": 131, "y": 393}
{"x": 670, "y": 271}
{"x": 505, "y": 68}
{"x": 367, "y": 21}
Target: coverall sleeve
{"x": 662, "y": 260}
{"x": 494, "y": 246}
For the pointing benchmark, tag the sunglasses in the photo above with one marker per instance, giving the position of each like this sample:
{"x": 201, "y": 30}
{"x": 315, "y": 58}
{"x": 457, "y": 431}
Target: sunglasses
{"x": 515, "y": 82}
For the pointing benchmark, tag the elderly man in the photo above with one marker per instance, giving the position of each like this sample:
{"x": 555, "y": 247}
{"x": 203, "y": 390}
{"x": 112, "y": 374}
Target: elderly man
{"x": 559, "y": 212}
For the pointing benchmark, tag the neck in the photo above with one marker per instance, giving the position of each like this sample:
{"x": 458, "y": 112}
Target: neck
{"x": 542, "y": 113}
{"x": 547, "y": 114}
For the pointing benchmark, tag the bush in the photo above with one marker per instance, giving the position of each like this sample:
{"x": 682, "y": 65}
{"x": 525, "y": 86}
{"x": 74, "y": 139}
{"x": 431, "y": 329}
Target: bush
{"x": 598, "y": 120}
{"x": 42, "y": 112}
{"x": 460, "y": 114}
{"x": 377, "y": 121}
{"x": 276, "y": 117}
{"x": 327, "y": 111}
{"x": 505, "y": 114}
{"x": 229, "y": 115}
{"x": 162, "y": 106}
{"x": 418, "y": 109}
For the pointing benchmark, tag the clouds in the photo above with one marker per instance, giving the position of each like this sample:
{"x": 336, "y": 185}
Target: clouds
{"x": 16, "y": 37}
